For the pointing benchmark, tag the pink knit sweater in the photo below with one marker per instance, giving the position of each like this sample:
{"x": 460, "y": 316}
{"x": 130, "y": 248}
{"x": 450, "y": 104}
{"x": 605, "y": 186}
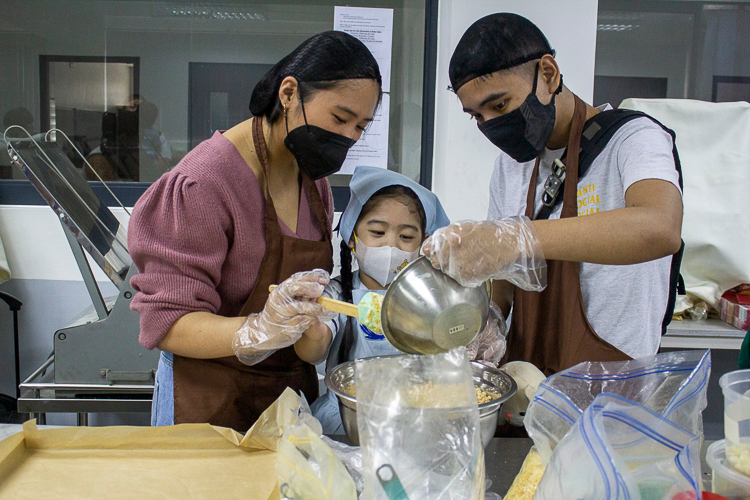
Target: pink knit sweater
{"x": 197, "y": 238}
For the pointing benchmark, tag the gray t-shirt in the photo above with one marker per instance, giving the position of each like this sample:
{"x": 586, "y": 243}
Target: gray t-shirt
{"x": 625, "y": 305}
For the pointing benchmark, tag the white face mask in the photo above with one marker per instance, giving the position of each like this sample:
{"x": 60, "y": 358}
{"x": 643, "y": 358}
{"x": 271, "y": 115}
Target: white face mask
{"x": 382, "y": 263}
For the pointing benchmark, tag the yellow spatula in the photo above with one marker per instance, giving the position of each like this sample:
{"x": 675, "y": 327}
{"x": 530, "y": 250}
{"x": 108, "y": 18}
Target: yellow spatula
{"x": 368, "y": 309}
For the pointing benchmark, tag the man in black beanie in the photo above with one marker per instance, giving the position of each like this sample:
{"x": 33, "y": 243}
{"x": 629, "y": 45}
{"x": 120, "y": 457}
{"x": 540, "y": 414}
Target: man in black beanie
{"x": 607, "y": 233}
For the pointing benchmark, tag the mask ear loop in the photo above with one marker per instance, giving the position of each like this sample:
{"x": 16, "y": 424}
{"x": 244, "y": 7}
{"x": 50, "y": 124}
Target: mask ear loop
{"x": 304, "y": 115}
{"x": 559, "y": 87}
{"x": 286, "y": 120}
{"x": 536, "y": 79}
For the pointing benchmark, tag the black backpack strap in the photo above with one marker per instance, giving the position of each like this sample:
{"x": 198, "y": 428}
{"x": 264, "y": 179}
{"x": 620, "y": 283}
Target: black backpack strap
{"x": 676, "y": 286}
{"x": 676, "y": 282}
{"x": 597, "y": 131}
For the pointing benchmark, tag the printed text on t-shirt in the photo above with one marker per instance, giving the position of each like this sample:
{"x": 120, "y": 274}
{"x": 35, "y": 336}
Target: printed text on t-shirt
{"x": 588, "y": 200}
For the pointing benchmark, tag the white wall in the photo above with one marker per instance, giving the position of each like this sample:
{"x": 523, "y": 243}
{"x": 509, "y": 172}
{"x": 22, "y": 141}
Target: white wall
{"x": 36, "y": 247}
{"x": 463, "y": 156}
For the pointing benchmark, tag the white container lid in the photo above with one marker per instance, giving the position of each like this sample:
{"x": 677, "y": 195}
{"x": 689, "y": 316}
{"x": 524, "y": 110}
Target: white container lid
{"x": 735, "y": 385}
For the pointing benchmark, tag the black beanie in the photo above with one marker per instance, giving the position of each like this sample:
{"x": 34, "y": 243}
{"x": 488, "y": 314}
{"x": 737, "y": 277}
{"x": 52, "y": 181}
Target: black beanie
{"x": 493, "y": 43}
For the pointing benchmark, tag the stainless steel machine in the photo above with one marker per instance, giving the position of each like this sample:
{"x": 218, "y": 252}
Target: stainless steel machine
{"x": 97, "y": 364}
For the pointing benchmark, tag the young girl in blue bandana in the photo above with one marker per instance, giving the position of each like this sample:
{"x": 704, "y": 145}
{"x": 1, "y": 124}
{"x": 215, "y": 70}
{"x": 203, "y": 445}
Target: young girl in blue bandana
{"x": 383, "y": 227}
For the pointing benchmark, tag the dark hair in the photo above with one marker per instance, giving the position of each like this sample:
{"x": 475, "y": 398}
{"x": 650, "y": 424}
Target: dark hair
{"x": 494, "y": 43}
{"x": 321, "y": 62}
{"x": 395, "y": 192}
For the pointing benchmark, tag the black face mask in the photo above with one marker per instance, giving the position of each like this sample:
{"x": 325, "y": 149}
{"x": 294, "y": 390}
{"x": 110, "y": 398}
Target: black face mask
{"x": 523, "y": 133}
{"x": 319, "y": 152}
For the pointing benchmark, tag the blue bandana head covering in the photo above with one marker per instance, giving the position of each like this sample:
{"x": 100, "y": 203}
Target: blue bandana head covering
{"x": 367, "y": 181}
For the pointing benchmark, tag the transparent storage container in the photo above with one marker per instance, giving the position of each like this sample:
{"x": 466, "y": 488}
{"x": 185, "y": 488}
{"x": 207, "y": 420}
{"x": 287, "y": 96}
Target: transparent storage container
{"x": 736, "y": 388}
{"x": 725, "y": 480}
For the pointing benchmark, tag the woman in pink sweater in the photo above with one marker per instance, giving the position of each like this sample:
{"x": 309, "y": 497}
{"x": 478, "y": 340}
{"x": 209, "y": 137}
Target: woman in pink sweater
{"x": 246, "y": 209}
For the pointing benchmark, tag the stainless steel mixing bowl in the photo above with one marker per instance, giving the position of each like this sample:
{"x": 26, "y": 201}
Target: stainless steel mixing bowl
{"x": 427, "y": 312}
{"x": 485, "y": 377}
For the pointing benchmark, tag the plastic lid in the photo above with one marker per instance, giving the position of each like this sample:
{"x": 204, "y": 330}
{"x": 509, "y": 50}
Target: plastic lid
{"x": 736, "y": 384}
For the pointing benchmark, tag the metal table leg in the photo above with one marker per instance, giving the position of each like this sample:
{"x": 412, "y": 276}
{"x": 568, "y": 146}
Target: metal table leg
{"x": 83, "y": 419}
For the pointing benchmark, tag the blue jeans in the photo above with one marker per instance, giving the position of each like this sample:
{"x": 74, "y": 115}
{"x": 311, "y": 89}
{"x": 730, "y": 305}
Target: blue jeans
{"x": 162, "y": 406}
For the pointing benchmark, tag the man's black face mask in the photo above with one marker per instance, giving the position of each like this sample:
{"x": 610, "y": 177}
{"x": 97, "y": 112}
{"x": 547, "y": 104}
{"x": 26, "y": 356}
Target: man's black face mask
{"x": 523, "y": 133}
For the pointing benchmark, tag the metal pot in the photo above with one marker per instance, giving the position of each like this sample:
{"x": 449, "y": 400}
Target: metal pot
{"x": 427, "y": 312}
{"x": 485, "y": 377}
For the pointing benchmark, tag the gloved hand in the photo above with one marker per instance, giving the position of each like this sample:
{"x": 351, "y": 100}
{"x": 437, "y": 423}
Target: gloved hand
{"x": 289, "y": 311}
{"x": 489, "y": 346}
{"x": 473, "y": 252}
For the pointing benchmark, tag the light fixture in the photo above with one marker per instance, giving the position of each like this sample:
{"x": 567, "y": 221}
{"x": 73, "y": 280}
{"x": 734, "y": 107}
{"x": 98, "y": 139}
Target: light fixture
{"x": 219, "y": 12}
{"x": 617, "y": 27}
{"x": 714, "y": 6}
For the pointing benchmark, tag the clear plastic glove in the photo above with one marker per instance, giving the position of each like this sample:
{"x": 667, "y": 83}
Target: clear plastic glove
{"x": 489, "y": 346}
{"x": 289, "y": 311}
{"x": 473, "y": 252}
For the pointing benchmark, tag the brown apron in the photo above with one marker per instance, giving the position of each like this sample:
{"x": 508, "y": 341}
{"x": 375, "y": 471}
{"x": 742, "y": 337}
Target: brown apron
{"x": 226, "y": 392}
{"x": 549, "y": 328}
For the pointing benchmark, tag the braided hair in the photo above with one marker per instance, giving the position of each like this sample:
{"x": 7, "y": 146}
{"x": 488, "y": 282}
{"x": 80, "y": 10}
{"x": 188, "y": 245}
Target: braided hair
{"x": 346, "y": 272}
{"x": 395, "y": 192}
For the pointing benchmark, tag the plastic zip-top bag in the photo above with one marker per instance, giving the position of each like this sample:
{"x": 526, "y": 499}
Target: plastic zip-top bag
{"x": 418, "y": 423}
{"x": 620, "y": 450}
{"x": 671, "y": 384}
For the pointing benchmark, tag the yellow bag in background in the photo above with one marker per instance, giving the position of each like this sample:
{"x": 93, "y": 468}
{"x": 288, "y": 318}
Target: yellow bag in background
{"x": 309, "y": 470}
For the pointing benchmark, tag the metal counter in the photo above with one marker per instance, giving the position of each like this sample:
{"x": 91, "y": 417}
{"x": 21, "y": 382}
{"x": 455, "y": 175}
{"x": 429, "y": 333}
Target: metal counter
{"x": 41, "y": 395}
{"x": 705, "y": 334}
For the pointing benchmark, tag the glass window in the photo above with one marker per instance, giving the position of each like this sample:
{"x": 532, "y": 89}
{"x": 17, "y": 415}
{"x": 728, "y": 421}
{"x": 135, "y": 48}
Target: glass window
{"x": 673, "y": 49}
{"x": 137, "y": 84}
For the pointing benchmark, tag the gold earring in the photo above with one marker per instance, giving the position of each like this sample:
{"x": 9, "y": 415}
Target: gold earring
{"x": 284, "y": 106}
